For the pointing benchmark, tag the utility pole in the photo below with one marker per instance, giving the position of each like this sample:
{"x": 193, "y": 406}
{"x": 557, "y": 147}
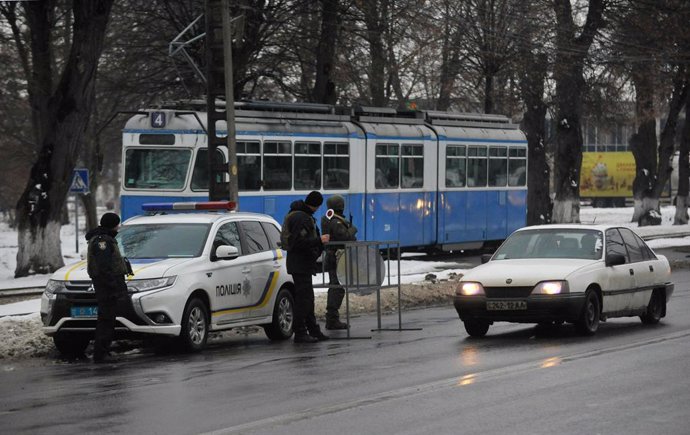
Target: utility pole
{"x": 219, "y": 82}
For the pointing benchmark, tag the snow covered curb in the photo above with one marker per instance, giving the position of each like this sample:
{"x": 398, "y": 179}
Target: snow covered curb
{"x": 21, "y": 337}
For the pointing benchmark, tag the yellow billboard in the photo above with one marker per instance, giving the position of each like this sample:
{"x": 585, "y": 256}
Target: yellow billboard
{"x": 607, "y": 174}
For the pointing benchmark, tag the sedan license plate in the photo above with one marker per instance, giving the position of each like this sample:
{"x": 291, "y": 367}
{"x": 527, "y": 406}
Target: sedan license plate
{"x": 84, "y": 311}
{"x": 506, "y": 305}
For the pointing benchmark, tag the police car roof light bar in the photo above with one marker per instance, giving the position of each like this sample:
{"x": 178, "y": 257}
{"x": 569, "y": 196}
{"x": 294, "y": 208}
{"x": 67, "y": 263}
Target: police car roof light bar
{"x": 176, "y": 206}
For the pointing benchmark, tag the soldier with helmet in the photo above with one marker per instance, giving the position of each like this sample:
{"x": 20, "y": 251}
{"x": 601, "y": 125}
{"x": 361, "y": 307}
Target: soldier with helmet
{"x": 340, "y": 229}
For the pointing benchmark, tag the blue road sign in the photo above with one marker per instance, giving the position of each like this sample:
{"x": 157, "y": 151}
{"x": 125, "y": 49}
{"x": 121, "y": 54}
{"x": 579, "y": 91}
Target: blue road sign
{"x": 80, "y": 181}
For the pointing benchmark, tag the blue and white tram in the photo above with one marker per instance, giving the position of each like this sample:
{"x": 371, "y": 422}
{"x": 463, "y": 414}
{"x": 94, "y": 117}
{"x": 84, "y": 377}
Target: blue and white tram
{"x": 432, "y": 180}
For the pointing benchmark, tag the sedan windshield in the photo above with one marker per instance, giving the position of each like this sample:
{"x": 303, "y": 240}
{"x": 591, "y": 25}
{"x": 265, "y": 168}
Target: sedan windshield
{"x": 163, "y": 240}
{"x": 556, "y": 243}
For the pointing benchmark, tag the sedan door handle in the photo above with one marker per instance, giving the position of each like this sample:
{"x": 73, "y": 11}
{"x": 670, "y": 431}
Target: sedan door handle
{"x": 246, "y": 270}
{"x": 632, "y": 272}
{"x": 651, "y": 268}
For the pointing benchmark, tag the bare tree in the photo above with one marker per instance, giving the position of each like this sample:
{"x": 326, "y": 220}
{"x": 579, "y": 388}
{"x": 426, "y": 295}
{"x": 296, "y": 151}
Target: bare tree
{"x": 571, "y": 53}
{"x": 681, "y": 216}
{"x": 533, "y": 67}
{"x": 60, "y": 110}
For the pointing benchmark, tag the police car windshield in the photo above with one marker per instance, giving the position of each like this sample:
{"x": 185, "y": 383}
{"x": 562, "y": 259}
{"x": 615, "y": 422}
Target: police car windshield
{"x": 163, "y": 240}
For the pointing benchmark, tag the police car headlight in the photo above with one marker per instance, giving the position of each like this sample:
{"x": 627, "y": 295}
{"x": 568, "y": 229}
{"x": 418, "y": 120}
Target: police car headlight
{"x": 54, "y": 286}
{"x": 142, "y": 285}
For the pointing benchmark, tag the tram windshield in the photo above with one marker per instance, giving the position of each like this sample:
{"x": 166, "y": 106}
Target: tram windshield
{"x": 156, "y": 168}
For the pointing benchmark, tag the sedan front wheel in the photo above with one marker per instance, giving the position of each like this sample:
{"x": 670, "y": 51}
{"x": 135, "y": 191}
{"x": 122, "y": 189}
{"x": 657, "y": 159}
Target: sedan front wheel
{"x": 588, "y": 323}
{"x": 476, "y": 327}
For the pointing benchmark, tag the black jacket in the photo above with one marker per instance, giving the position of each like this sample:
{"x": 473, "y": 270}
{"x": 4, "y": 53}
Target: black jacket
{"x": 340, "y": 230}
{"x": 104, "y": 261}
{"x": 305, "y": 239}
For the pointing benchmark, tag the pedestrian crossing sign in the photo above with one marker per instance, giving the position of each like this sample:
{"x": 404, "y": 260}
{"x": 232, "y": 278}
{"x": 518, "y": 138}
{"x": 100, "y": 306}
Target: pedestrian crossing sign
{"x": 80, "y": 181}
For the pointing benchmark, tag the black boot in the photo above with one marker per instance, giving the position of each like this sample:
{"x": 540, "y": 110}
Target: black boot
{"x": 305, "y": 338}
{"x": 334, "y": 324}
{"x": 317, "y": 334}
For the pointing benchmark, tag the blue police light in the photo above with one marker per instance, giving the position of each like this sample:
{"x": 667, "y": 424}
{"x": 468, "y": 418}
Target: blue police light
{"x": 174, "y": 206}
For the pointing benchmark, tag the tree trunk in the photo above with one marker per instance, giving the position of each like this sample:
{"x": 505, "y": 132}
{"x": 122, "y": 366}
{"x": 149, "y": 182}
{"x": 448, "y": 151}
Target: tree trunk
{"x": 538, "y": 175}
{"x": 66, "y": 116}
{"x": 324, "y": 86}
{"x": 571, "y": 52}
{"x": 681, "y": 216}
{"x": 375, "y": 23}
{"x": 488, "y": 93}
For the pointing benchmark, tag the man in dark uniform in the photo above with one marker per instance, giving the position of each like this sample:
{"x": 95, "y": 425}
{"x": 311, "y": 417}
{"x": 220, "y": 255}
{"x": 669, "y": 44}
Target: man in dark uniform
{"x": 341, "y": 230}
{"x": 107, "y": 269}
{"x": 305, "y": 245}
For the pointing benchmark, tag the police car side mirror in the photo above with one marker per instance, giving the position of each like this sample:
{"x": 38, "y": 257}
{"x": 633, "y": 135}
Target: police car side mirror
{"x": 227, "y": 252}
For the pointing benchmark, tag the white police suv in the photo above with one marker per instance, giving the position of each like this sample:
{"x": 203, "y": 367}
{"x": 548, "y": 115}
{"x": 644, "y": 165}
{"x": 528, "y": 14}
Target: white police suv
{"x": 194, "y": 273}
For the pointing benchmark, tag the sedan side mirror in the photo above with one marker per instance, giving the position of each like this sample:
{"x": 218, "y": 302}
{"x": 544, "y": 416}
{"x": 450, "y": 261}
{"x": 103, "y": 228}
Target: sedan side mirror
{"x": 614, "y": 259}
{"x": 227, "y": 252}
{"x": 486, "y": 258}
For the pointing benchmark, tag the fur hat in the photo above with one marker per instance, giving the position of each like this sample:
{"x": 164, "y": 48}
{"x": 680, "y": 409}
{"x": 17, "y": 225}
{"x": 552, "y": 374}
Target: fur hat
{"x": 314, "y": 199}
{"x": 110, "y": 220}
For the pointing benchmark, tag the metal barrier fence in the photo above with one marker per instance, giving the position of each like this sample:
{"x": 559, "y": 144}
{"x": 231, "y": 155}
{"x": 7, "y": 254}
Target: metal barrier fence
{"x": 360, "y": 268}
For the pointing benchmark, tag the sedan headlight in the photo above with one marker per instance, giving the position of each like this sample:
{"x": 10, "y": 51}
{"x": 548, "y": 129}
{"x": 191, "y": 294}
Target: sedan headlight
{"x": 551, "y": 288}
{"x": 54, "y": 286}
{"x": 469, "y": 288}
{"x": 142, "y": 285}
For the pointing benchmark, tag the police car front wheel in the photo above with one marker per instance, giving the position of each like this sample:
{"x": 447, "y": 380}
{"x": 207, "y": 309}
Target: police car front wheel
{"x": 194, "y": 325}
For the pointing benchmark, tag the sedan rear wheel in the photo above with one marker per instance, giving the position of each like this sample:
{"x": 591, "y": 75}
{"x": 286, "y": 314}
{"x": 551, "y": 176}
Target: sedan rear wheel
{"x": 588, "y": 323}
{"x": 655, "y": 309}
{"x": 476, "y": 327}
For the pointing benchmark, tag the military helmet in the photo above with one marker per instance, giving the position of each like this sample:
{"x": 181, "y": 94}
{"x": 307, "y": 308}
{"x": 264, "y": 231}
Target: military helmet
{"x": 336, "y": 202}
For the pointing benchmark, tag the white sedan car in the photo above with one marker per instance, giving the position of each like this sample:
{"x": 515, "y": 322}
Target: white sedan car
{"x": 582, "y": 274}
{"x": 194, "y": 273}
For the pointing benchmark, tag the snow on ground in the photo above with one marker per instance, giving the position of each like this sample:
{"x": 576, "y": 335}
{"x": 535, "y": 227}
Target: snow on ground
{"x": 20, "y": 335}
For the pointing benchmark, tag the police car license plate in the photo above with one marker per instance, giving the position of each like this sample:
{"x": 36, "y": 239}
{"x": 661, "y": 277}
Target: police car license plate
{"x": 84, "y": 311}
{"x": 506, "y": 305}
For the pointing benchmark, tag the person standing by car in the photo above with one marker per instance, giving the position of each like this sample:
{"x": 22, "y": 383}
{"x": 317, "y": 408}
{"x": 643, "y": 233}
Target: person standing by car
{"x": 340, "y": 229}
{"x": 107, "y": 269}
{"x": 301, "y": 239}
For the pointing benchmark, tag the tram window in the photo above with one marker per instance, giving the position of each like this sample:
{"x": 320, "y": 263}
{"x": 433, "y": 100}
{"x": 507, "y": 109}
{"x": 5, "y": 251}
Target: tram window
{"x": 156, "y": 168}
{"x": 307, "y": 165}
{"x": 498, "y": 166}
{"x": 517, "y": 167}
{"x": 248, "y": 166}
{"x": 412, "y": 166}
{"x": 336, "y": 164}
{"x": 456, "y": 166}
{"x": 200, "y": 173}
{"x": 476, "y": 166}
{"x": 156, "y": 139}
{"x": 387, "y": 166}
{"x": 277, "y": 166}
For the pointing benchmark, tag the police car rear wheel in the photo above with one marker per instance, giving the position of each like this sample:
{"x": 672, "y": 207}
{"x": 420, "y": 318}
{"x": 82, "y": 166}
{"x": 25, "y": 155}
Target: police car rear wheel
{"x": 71, "y": 345}
{"x": 283, "y": 317}
{"x": 194, "y": 326}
